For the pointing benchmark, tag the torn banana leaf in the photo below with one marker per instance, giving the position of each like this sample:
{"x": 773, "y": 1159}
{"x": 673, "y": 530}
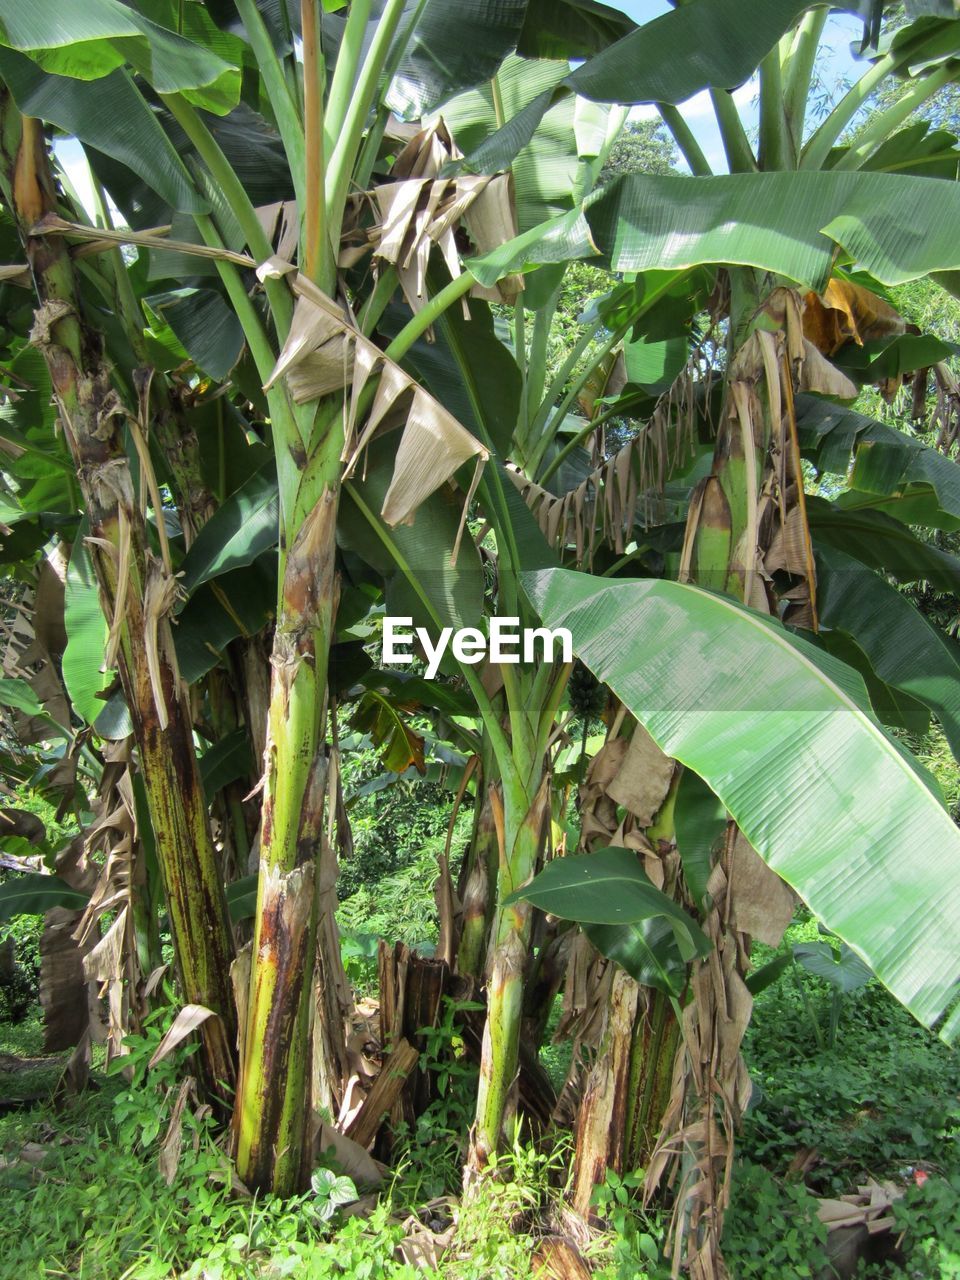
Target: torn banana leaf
{"x": 325, "y": 353}
{"x": 783, "y": 736}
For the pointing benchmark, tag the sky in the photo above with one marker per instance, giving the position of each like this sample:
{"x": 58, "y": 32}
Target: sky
{"x": 837, "y": 64}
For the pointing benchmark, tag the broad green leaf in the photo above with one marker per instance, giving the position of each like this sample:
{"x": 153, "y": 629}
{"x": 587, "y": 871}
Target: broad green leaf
{"x": 226, "y": 760}
{"x": 884, "y": 358}
{"x": 242, "y": 898}
{"x": 16, "y": 693}
{"x": 87, "y": 41}
{"x": 86, "y": 633}
{"x": 237, "y": 603}
{"x": 609, "y": 887}
{"x": 456, "y": 44}
{"x": 700, "y": 820}
{"x": 919, "y": 507}
{"x": 883, "y": 543}
{"x": 467, "y": 368}
{"x": 887, "y": 462}
{"x": 32, "y": 893}
{"x": 544, "y": 171}
{"x": 114, "y": 721}
{"x": 570, "y": 28}
{"x": 898, "y": 228}
{"x": 905, "y": 651}
{"x": 207, "y": 328}
{"x": 846, "y": 971}
{"x": 109, "y": 114}
{"x": 648, "y": 951}
{"x": 412, "y": 691}
{"x": 707, "y": 42}
{"x": 768, "y": 974}
{"x": 556, "y": 240}
{"x": 238, "y": 532}
{"x": 891, "y": 706}
{"x": 917, "y": 150}
{"x": 816, "y": 786}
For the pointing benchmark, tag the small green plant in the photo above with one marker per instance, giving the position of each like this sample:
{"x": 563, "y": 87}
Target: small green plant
{"x": 331, "y": 1191}
{"x": 142, "y": 1109}
{"x": 772, "y": 1231}
{"x": 928, "y": 1217}
{"x": 636, "y": 1252}
{"x": 431, "y": 1152}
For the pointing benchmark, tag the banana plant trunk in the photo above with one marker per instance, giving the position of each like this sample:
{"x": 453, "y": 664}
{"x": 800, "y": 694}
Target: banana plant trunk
{"x": 748, "y": 535}
{"x": 271, "y": 1115}
{"x": 137, "y": 590}
{"x": 520, "y": 825}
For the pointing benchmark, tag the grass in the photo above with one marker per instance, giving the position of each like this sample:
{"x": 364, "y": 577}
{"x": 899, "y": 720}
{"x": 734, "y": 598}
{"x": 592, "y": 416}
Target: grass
{"x": 84, "y": 1196}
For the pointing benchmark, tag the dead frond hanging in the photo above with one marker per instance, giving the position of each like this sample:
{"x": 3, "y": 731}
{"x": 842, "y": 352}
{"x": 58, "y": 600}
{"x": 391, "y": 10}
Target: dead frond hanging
{"x": 325, "y": 352}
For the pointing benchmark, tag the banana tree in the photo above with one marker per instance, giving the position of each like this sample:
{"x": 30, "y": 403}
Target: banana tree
{"x": 171, "y": 150}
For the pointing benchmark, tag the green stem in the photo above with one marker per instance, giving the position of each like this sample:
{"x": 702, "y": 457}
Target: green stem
{"x": 345, "y": 71}
{"x": 378, "y": 299}
{"x": 287, "y": 427}
{"x": 881, "y": 125}
{"x": 736, "y": 145}
{"x": 614, "y": 411}
{"x": 317, "y": 256}
{"x": 428, "y": 315}
{"x": 799, "y": 72}
{"x": 553, "y": 426}
{"x": 773, "y": 150}
{"x": 349, "y": 136}
{"x": 683, "y": 136}
{"x": 222, "y": 172}
{"x": 822, "y": 142}
{"x": 275, "y": 83}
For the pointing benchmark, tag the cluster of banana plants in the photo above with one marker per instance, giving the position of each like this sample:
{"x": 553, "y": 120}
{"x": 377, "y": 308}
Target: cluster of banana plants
{"x": 290, "y": 371}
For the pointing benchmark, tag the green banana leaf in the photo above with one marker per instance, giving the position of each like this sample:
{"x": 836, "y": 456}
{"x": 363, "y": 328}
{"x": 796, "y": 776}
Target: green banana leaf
{"x": 882, "y": 542}
{"x": 609, "y": 887}
{"x": 896, "y": 227}
{"x": 242, "y": 898}
{"x": 32, "y": 893}
{"x": 705, "y": 43}
{"x": 919, "y": 507}
{"x": 16, "y": 693}
{"x": 226, "y": 760}
{"x": 905, "y": 651}
{"x": 467, "y": 368}
{"x": 110, "y": 114}
{"x": 545, "y": 170}
{"x": 456, "y": 45}
{"x": 86, "y": 633}
{"x": 887, "y": 463}
{"x": 205, "y": 325}
{"x": 882, "y": 358}
{"x": 87, "y": 41}
{"x": 648, "y": 951}
{"x": 819, "y": 790}
{"x": 700, "y": 820}
{"x": 918, "y": 149}
{"x": 708, "y": 42}
{"x": 239, "y": 531}
{"x": 570, "y": 28}
{"x": 238, "y": 603}
{"x": 892, "y": 707}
